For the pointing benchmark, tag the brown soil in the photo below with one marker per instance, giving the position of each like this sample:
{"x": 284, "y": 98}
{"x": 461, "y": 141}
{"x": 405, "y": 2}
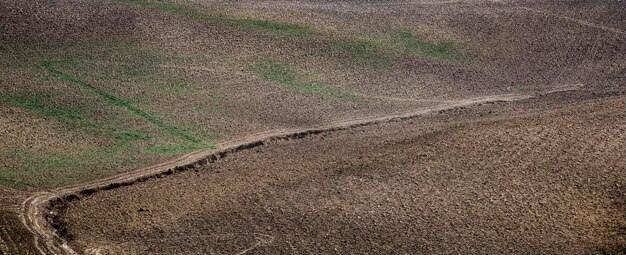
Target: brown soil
{"x": 518, "y": 51}
{"x": 35, "y": 208}
{"x": 524, "y": 52}
{"x": 550, "y": 181}
{"x": 481, "y": 179}
{"x": 14, "y": 238}
{"x": 21, "y": 129}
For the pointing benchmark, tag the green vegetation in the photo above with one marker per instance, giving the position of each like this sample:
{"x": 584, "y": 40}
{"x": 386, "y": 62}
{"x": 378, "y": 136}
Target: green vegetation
{"x": 8, "y": 178}
{"x": 48, "y": 65}
{"x": 117, "y": 140}
{"x": 410, "y": 44}
{"x": 132, "y": 103}
{"x": 216, "y": 104}
{"x": 359, "y": 49}
{"x": 281, "y": 73}
{"x": 72, "y": 117}
{"x": 383, "y": 48}
{"x": 36, "y": 105}
{"x": 139, "y": 73}
{"x": 363, "y": 51}
{"x": 198, "y": 14}
{"x": 47, "y": 168}
{"x": 379, "y": 50}
{"x": 158, "y": 81}
{"x": 170, "y": 85}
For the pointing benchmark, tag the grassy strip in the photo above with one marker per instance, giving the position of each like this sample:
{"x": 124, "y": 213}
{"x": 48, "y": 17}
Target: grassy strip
{"x": 68, "y": 114}
{"x": 8, "y": 179}
{"x": 187, "y": 11}
{"x": 37, "y": 106}
{"x": 359, "y": 49}
{"x": 362, "y": 50}
{"x": 280, "y": 73}
{"x": 48, "y": 65}
{"x": 31, "y": 167}
{"x": 47, "y": 168}
{"x": 410, "y": 44}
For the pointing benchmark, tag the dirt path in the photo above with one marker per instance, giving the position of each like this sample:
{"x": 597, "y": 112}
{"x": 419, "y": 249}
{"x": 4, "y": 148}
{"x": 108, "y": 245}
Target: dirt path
{"x": 12, "y": 235}
{"x": 47, "y": 241}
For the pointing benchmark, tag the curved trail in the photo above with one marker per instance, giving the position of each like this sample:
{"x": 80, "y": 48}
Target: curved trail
{"x": 48, "y": 242}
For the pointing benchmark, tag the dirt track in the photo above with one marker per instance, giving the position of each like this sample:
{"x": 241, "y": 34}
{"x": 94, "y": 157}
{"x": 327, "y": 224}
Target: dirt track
{"x": 45, "y": 237}
{"x": 549, "y": 181}
{"x": 562, "y": 43}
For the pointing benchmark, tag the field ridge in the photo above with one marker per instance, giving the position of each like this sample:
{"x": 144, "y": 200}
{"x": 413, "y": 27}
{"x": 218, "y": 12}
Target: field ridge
{"x": 35, "y": 212}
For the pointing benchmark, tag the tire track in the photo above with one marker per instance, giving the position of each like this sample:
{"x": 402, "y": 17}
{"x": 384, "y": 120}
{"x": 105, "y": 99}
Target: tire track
{"x": 47, "y": 241}
{"x": 9, "y": 198}
{"x": 7, "y": 242}
{"x": 4, "y": 248}
{"x": 575, "y": 20}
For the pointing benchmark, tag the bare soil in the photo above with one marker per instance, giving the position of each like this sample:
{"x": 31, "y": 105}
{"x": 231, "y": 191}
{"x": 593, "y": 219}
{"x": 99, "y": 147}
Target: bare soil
{"x": 14, "y": 237}
{"x": 212, "y": 93}
{"x": 549, "y": 181}
{"x": 544, "y": 175}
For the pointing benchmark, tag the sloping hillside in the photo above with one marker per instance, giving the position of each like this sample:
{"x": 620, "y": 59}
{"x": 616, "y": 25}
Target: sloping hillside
{"x": 90, "y": 88}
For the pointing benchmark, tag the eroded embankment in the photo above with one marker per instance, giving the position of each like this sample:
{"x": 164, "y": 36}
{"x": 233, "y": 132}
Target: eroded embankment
{"x": 54, "y": 203}
{"x": 539, "y": 175}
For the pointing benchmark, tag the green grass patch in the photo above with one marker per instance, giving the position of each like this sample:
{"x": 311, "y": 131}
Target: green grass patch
{"x": 32, "y": 168}
{"x": 59, "y": 92}
{"x": 46, "y": 168}
{"x": 380, "y": 49}
{"x": 35, "y": 104}
{"x": 216, "y": 104}
{"x": 48, "y": 65}
{"x": 197, "y": 14}
{"x": 39, "y": 103}
{"x": 280, "y": 73}
{"x": 410, "y": 44}
{"x": 9, "y": 177}
{"x": 292, "y": 29}
{"x": 143, "y": 75}
{"x": 131, "y": 136}
{"x": 167, "y": 86}
{"x": 160, "y": 83}
{"x": 13, "y": 56}
{"x": 363, "y": 51}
